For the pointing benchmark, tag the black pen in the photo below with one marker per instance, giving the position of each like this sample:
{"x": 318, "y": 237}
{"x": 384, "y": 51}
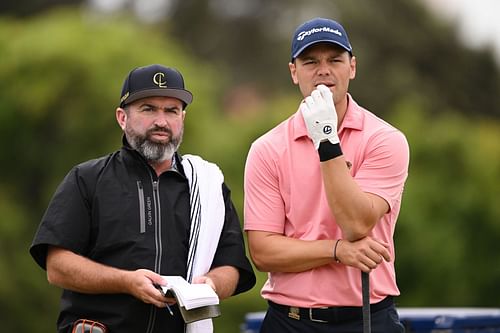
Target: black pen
{"x": 157, "y": 286}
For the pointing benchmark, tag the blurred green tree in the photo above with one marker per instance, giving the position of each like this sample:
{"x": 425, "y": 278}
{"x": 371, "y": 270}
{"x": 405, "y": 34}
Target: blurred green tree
{"x": 26, "y": 8}
{"x": 449, "y": 223}
{"x": 401, "y": 49}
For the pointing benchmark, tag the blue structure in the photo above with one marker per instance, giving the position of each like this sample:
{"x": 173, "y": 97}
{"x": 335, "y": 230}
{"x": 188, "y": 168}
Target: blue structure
{"x": 456, "y": 320}
{"x": 424, "y": 320}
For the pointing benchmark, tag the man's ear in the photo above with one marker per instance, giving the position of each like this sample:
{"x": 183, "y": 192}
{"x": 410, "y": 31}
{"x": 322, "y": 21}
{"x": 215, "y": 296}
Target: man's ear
{"x": 353, "y": 68}
{"x": 293, "y": 72}
{"x": 121, "y": 117}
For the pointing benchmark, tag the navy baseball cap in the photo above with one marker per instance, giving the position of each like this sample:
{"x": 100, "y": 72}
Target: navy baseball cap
{"x": 154, "y": 80}
{"x": 319, "y": 30}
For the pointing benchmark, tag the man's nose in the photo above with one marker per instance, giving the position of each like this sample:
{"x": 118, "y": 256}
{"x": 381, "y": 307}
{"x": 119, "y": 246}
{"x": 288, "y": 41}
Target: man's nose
{"x": 323, "y": 68}
{"x": 161, "y": 120}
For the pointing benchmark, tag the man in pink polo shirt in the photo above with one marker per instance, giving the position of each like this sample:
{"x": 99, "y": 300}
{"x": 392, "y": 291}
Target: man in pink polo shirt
{"x": 322, "y": 195}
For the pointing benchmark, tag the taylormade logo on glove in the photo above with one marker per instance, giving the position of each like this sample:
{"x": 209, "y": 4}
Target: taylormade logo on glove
{"x": 320, "y": 116}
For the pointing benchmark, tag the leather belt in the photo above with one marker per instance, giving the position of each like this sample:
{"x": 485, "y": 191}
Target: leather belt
{"x": 336, "y": 314}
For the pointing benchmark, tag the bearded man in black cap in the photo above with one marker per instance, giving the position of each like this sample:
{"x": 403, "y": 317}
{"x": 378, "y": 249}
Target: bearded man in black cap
{"x": 117, "y": 224}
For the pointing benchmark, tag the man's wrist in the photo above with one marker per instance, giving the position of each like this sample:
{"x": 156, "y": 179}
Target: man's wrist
{"x": 328, "y": 150}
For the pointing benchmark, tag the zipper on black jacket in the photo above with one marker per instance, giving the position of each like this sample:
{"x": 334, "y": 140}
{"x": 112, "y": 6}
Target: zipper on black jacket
{"x": 158, "y": 243}
{"x": 142, "y": 208}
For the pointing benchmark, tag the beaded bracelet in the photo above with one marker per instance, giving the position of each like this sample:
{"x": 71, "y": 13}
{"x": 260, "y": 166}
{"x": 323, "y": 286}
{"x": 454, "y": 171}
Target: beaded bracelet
{"x": 335, "y": 251}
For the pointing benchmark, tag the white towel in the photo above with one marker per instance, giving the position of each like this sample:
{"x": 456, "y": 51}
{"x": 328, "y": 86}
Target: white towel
{"x": 207, "y": 219}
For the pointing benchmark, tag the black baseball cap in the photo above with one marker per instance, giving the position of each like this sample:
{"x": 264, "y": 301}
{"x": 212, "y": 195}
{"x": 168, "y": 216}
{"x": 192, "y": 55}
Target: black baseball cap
{"x": 154, "y": 80}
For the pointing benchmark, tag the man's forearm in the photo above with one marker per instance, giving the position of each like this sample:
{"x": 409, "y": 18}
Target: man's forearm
{"x": 70, "y": 271}
{"x": 225, "y": 279}
{"x": 355, "y": 211}
{"x": 272, "y": 252}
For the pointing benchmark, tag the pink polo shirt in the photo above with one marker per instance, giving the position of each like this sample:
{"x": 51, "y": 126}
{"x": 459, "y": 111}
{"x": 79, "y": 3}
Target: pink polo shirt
{"x": 284, "y": 194}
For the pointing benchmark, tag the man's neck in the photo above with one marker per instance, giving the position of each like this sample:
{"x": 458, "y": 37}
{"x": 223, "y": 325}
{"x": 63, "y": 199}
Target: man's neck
{"x": 161, "y": 167}
{"x": 341, "y": 109}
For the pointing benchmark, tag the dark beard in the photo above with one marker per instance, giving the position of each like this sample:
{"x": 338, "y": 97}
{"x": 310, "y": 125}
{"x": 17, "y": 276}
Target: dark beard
{"x": 154, "y": 152}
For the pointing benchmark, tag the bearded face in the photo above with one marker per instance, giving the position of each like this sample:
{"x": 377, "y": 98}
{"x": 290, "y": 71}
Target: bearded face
{"x": 153, "y": 150}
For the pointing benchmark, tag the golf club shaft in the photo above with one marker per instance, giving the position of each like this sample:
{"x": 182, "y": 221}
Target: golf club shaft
{"x": 365, "y": 290}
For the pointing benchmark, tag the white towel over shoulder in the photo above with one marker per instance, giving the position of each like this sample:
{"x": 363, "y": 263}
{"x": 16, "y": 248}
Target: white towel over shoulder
{"x": 207, "y": 219}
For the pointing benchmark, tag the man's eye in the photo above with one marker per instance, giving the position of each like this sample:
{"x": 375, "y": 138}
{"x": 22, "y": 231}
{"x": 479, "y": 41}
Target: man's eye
{"x": 337, "y": 59}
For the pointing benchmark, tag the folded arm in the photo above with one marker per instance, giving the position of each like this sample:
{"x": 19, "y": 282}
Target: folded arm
{"x": 272, "y": 252}
{"x": 356, "y": 212}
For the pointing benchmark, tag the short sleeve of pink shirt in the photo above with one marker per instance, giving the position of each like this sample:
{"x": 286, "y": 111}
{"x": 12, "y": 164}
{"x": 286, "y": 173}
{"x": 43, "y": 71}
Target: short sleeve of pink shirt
{"x": 284, "y": 194}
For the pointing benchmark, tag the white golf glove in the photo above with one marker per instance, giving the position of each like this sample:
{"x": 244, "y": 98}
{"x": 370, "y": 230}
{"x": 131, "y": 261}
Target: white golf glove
{"x": 320, "y": 116}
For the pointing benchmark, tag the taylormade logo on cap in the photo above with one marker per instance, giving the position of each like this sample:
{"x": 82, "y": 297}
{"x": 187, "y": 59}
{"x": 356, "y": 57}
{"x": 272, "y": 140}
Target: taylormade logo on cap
{"x": 303, "y": 34}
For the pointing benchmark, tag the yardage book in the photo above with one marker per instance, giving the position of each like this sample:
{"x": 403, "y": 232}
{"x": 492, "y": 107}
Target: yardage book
{"x": 196, "y": 301}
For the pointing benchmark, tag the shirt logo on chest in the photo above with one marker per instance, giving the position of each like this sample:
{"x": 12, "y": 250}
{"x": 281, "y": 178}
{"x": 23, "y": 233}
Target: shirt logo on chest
{"x": 149, "y": 211}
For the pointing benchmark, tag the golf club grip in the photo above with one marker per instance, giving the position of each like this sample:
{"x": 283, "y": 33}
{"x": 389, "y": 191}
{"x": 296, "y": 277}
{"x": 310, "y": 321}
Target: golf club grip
{"x": 365, "y": 290}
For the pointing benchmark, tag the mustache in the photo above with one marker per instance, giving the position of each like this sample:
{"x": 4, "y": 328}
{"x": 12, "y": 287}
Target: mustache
{"x": 157, "y": 128}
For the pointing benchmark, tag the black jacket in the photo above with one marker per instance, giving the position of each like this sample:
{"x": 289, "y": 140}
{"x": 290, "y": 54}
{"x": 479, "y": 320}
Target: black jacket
{"x": 116, "y": 211}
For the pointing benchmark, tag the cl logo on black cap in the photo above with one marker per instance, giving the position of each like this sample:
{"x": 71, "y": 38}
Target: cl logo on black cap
{"x": 159, "y": 80}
